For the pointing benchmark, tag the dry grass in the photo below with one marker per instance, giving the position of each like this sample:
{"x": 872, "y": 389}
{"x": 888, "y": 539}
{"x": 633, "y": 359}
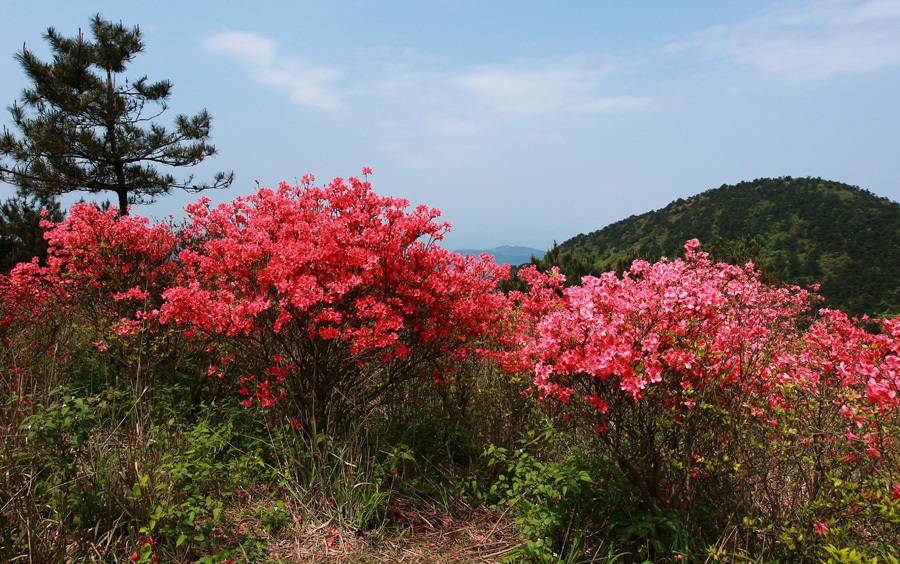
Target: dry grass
{"x": 421, "y": 536}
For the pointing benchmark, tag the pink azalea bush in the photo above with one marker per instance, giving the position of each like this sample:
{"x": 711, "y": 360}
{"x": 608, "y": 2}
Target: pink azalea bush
{"x": 697, "y": 379}
{"x": 662, "y": 361}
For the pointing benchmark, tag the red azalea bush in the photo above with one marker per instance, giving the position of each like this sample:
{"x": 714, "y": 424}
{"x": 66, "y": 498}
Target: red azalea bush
{"x": 698, "y": 379}
{"x": 103, "y": 278}
{"x": 329, "y": 297}
{"x": 834, "y": 461}
{"x": 332, "y": 296}
{"x": 93, "y": 256}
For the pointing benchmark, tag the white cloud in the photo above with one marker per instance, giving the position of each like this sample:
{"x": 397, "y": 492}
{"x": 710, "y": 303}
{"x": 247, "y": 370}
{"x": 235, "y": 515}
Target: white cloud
{"x": 250, "y": 48}
{"x": 441, "y": 98}
{"x": 810, "y": 42}
{"x": 307, "y": 84}
{"x": 542, "y": 87}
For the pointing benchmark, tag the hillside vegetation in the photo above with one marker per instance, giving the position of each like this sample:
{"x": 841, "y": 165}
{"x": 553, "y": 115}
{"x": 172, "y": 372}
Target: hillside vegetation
{"x": 798, "y": 230}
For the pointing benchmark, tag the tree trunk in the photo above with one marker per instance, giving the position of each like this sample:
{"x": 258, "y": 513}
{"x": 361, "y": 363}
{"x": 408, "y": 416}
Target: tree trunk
{"x": 123, "y": 203}
{"x": 121, "y": 190}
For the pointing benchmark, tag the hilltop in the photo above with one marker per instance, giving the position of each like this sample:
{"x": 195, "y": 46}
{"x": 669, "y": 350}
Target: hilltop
{"x": 798, "y": 230}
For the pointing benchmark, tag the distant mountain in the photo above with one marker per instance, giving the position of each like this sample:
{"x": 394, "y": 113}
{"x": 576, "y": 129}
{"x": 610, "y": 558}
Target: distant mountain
{"x": 798, "y": 230}
{"x": 507, "y": 254}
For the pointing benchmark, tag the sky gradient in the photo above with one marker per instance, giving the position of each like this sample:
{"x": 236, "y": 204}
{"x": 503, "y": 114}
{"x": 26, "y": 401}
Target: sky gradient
{"x": 524, "y": 122}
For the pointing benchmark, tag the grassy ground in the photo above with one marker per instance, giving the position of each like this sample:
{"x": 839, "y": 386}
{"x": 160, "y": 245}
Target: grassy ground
{"x": 90, "y": 469}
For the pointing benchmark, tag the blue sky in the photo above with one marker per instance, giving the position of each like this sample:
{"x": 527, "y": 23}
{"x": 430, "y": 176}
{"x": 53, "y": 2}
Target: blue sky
{"x": 525, "y": 122}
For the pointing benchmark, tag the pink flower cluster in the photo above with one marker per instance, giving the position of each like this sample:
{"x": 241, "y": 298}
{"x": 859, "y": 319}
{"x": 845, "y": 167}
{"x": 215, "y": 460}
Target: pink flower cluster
{"x": 686, "y": 319}
{"x": 691, "y": 324}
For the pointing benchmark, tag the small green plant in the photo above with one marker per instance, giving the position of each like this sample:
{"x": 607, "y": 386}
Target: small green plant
{"x": 854, "y": 556}
{"x": 549, "y": 497}
{"x": 274, "y": 516}
{"x": 182, "y": 489}
{"x": 74, "y": 473}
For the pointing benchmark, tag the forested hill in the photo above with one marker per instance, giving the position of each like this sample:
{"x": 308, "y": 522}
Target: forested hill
{"x": 799, "y": 230}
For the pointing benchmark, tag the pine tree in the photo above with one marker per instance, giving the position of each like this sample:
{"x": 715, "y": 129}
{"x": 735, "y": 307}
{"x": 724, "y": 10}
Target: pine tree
{"x": 84, "y": 127}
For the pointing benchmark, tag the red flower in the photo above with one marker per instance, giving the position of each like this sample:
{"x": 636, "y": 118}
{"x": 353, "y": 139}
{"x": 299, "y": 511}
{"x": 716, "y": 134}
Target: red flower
{"x": 337, "y": 264}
